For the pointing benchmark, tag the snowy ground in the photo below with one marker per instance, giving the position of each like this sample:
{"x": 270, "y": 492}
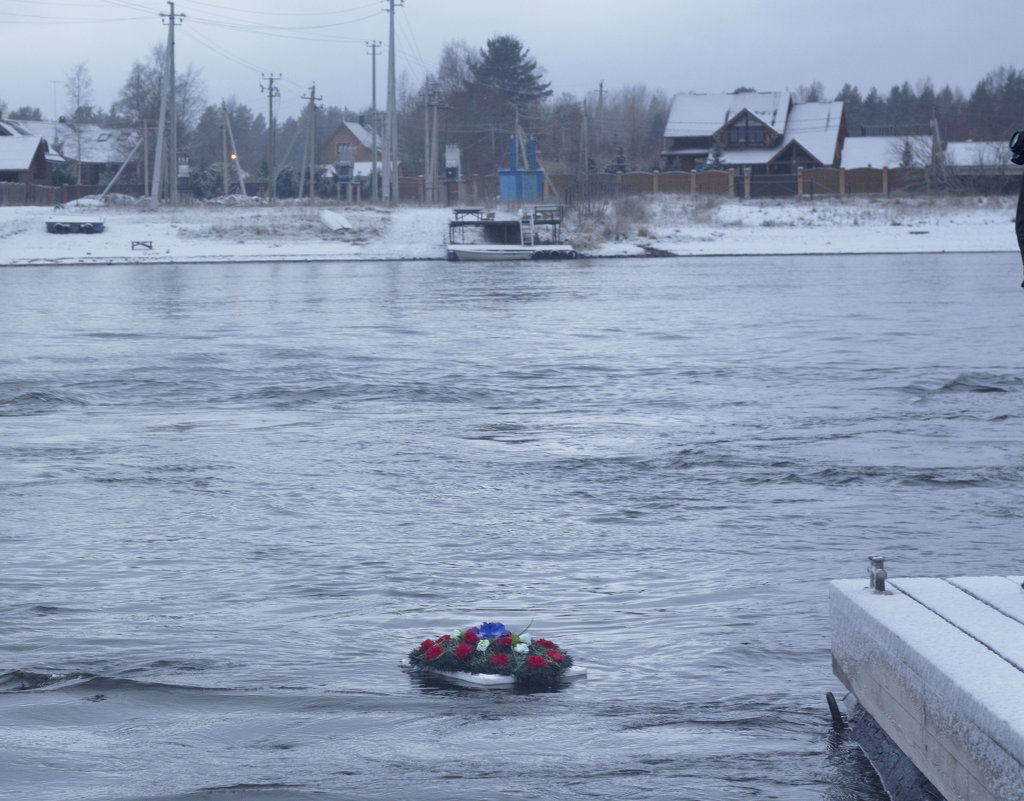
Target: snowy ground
{"x": 680, "y": 225}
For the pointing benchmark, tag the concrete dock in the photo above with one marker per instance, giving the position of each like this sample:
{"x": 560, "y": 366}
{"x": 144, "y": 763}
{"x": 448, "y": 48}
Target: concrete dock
{"x": 939, "y": 664}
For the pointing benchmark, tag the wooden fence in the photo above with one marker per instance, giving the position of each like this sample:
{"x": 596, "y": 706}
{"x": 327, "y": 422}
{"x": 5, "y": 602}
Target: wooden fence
{"x": 603, "y": 186}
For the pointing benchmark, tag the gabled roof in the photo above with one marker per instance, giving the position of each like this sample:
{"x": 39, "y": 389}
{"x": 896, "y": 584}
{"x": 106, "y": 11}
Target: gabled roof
{"x": 10, "y": 127}
{"x": 702, "y": 114}
{"x": 363, "y": 134}
{"x": 816, "y": 128}
{"x": 17, "y": 152}
{"x": 98, "y": 145}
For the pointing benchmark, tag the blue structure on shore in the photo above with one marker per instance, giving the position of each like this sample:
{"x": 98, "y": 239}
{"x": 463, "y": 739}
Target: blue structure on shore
{"x": 521, "y": 184}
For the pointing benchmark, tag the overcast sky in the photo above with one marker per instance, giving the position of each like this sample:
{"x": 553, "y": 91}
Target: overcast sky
{"x": 670, "y": 45}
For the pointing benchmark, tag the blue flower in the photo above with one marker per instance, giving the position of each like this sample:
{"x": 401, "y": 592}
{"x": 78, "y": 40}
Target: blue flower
{"x": 490, "y": 630}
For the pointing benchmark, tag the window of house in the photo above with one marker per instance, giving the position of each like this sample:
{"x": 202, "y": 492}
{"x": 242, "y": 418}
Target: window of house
{"x": 746, "y": 131}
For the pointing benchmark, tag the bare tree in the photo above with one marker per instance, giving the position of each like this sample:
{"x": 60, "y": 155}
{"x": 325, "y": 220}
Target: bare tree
{"x": 453, "y": 71}
{"x": 912, "y": 151}
{"x": 139, "y": 98}
{"x": 78, "y": 92}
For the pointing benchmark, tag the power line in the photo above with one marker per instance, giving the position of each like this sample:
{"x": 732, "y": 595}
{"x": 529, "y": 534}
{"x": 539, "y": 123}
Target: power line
{"x": 290, "y": 14}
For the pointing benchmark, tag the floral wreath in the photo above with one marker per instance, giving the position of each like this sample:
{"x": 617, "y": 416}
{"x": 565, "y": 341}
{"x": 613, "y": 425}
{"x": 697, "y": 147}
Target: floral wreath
{"x": 492, "y": 649}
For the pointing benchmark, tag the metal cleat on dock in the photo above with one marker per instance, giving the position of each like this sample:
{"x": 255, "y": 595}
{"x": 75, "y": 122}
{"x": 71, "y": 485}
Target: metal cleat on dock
{"x": 876, "y": 573}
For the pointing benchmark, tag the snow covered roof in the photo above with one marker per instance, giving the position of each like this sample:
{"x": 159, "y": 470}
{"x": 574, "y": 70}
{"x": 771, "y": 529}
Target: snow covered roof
{"x": 748, "y": 155}
{"x": 977, "y": 154}
{"x": 360, "y": 169}
{"x": 13, "y": 128}
{"x": 98, "y": 145}
{"x": 17, "y": 152}
{"x": 815, "y": 127}
{"x": 703, "y": 114}
{"x": 879, "y": 151}
{"x": 363, "y": 134}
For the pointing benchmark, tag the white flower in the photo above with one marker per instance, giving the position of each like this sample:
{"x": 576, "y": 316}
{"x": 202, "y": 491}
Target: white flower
{"x": 482, "y": 645}
{"x": 522, "y": 648}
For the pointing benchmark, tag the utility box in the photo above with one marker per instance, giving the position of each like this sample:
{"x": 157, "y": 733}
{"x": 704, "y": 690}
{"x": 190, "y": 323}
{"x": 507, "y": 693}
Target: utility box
{"x": 452, "y": 163}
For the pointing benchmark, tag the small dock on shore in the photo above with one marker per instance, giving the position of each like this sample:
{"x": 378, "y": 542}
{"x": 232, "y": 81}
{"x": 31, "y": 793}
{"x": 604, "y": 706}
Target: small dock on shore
{"x": 939, "y": 664}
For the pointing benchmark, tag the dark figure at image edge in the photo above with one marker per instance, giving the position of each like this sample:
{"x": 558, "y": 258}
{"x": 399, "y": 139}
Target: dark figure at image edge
{"x": 1017, "y": 148}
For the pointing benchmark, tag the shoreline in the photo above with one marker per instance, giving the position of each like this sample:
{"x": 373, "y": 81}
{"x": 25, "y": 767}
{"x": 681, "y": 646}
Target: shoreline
{"x": 383, "y": 259}
{"x": 631, "y": 228}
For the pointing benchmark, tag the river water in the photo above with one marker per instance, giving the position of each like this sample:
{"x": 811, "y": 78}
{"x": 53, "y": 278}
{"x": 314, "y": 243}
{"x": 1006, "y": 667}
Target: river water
{"x": 232, "y": 497}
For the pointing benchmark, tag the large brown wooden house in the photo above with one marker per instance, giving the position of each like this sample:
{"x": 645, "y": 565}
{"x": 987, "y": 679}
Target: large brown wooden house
{"x": 765, "y": 131}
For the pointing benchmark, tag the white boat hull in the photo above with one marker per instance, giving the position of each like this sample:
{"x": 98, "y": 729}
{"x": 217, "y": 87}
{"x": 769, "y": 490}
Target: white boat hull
{"x": 509, "y": 252}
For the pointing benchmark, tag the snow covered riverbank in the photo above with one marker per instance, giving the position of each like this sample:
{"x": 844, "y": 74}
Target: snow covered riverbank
{"x": 666, "y": 225}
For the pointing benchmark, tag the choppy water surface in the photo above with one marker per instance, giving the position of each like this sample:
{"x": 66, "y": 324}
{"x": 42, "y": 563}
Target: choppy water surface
{"x": 234, "y": 496}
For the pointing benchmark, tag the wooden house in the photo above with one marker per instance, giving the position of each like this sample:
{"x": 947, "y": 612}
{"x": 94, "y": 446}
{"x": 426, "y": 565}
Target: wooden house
{"x": 348, "y": 152}
{"x": 23, "y": 160}
{"x": 91, "y": 151}
{"x": 765, "y": 131}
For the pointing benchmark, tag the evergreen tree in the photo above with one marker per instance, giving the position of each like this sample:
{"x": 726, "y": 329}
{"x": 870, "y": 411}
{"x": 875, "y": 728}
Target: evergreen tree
{"x": 873, "y": 111}
{"x": 714, "y": 160}
{"x": 501, "y": 84}
{"x": 506, "y": 76}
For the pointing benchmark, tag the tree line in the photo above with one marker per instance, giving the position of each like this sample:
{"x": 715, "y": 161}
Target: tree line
{"x": 483, "y": 96}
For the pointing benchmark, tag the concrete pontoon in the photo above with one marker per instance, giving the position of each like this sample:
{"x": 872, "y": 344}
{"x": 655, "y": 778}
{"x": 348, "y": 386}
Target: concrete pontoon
{"x": 938, "y": 663}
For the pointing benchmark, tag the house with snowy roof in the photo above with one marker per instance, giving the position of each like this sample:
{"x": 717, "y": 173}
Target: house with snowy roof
{"x": 25, "y": 158}
{"x": 348, "y": 152}
{"x": 93, "y": 149}
{"x": 765, "y": 131}
{"x": 961, "y": 158}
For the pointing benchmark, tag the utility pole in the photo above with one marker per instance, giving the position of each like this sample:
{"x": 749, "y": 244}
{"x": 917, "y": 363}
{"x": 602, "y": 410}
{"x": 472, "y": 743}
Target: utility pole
{"x": 374, "y": 50}
{"x": 312, "y": 98}
{"x": 435, "y": 145}
{"x": 428, "y": 98}
{"x": 391, "y": 136}
{"x": 172, "y": 20}
{"x": 272, "y": 93}
{"x": 224, "y": 172}
{"x": 158, "y": 153}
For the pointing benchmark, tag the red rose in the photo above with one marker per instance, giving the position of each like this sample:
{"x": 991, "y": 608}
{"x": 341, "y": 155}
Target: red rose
{"x": 536, "y": 661}
{"x": 434, "y": 651}
{"x": 555, "y": 655}
{"x": 464, "y": 650}
{"x": 544, "y": 643}
{"x": 444, "y": 637}
{"x": 470, "y": 637}
{"x": 501, "y": 659}
{"x": 425, "y": 645}
{"x": 506, "y": 640}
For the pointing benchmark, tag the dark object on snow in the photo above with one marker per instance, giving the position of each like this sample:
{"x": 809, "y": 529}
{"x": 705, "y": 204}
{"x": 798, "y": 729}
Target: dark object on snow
{"x": 74, "y": 226}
